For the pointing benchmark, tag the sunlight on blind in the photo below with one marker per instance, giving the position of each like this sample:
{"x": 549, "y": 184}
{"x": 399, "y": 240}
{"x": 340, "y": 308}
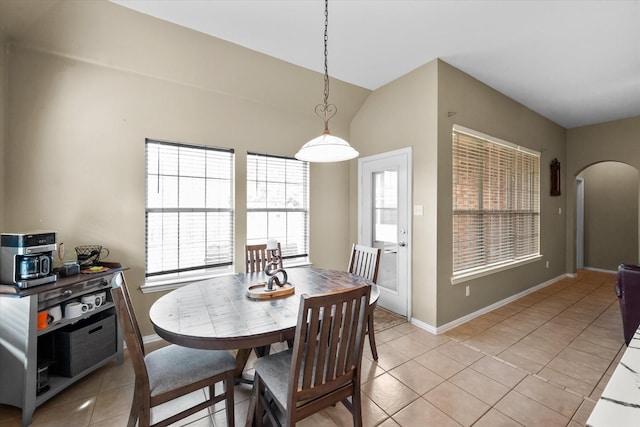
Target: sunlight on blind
{"x": 189, "y": 207}
{"x": 278, "y": 203}
{"x": 496, "y": 202}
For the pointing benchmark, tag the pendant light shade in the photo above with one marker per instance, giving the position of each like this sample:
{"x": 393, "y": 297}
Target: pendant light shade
{"x": 326, "y": 148}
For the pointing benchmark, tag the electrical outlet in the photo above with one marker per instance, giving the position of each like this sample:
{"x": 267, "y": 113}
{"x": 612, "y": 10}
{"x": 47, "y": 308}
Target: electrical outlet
{"x": 547, "y": 264}
{"x": 467, "y": 291}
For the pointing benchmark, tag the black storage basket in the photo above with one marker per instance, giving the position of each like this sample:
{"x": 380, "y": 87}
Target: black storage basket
{"x": 85, "y": 343}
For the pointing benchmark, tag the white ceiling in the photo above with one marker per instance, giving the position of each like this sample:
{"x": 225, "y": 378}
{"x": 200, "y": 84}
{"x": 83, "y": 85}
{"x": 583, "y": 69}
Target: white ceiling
{"x": 576, "y": 62}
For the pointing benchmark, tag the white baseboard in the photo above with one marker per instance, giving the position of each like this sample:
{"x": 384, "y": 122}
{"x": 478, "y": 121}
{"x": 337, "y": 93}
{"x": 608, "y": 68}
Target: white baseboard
{"x": 441, "y": 329}
{"x": 601, "y": 270}
{"x": 151, "y": 338}
{"x": 422, "y": 325}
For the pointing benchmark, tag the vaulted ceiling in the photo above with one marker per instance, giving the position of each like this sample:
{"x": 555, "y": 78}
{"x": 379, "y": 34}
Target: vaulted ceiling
{"x": 575, "y": 62}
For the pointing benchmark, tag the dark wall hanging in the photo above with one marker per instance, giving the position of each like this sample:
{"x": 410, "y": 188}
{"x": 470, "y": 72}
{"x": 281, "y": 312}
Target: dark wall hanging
{"x": 555, "y": 177}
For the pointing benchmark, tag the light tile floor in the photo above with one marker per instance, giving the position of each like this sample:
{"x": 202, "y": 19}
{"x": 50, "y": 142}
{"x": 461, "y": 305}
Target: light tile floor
{"x": 542, "y": 360}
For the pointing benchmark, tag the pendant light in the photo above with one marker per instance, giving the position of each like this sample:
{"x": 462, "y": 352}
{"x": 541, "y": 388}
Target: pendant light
{"x": 326, "y": 148}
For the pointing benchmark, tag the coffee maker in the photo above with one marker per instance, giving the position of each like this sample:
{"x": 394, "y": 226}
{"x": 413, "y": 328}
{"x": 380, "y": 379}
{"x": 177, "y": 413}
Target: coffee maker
{"x": 26, "y": 258}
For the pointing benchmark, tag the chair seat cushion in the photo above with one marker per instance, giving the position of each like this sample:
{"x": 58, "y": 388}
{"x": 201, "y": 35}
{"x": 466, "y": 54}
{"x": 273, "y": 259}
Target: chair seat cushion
{"x": 274, "y": 371}
{"x": 175, "y": 366}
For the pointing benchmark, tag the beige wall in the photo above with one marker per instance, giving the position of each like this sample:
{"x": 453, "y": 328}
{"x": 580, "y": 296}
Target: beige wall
{"x": 83, "y": 98}
{"x": 89, "y": 81}
{"x": 403, "y": 114}
{"x": 587, "y": 145}
{"x": 611, "y": 215}
{"x": 465, "y": 101}
{"x": 3, "y": 127}
{"x": 419, "y": 110}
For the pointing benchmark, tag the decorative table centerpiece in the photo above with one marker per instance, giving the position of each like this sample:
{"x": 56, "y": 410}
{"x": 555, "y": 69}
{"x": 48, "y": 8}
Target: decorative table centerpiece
{"x": 276, "y": 284}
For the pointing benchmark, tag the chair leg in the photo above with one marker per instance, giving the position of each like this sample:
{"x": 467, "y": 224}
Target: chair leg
{"x": 356, "y": 409}
{"x": 144, "y": 416}
{"x": 258, "y": 386}
{"x": 251, "y": 410}
{"x": 372, "y": 338}
{"x": 229, "y": 402}
{"x": 135, "y": 409}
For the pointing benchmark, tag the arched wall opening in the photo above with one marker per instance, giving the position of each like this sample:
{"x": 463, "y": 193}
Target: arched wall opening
{"x": 607, "y": 216}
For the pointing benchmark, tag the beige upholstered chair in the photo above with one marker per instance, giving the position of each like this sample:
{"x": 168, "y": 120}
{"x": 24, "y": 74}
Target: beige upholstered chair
{"x": 364, "y": 262}
{"x": 258, "y": 257}
{"x": 172, "y": 371}
{"x": 322, "y": 369}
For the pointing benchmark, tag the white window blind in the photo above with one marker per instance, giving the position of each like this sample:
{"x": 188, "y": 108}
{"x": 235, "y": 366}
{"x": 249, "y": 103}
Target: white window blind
{"x": 496, "y": 202}
{"x": 189, "y": 208}
{"x": 278, "y": 204}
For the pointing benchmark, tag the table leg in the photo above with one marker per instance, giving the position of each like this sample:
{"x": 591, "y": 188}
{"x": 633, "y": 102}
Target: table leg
{"x": 242, "y": 357}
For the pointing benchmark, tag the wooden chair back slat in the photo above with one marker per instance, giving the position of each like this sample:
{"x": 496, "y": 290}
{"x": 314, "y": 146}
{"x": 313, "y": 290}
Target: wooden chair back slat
{"x": 257, "y": 257}
{"x": 328, "y": 345}
{"x": 365, "y": 262}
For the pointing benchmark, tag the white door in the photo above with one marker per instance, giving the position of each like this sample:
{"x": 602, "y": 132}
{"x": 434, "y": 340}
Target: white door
{"x": 384, "y": 221}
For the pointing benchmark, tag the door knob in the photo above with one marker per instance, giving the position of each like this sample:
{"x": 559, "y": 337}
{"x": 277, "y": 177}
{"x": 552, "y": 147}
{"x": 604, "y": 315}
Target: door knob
{"x": 402, "y": 243}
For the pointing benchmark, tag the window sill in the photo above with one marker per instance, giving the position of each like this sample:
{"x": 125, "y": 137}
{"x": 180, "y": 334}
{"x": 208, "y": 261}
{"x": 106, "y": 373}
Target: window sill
{"x": 160, "y": 285}
{"x": 298, "y": 264}
{"x": 464, "y": 277}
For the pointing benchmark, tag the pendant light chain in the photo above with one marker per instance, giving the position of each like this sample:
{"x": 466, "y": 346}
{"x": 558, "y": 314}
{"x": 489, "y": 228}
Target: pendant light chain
{"x": 326, "y": 52}
{"x": 326, "y": 147}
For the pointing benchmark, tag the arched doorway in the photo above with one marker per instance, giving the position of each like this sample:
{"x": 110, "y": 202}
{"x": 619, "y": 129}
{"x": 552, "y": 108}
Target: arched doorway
{"x": 607, "y": 231}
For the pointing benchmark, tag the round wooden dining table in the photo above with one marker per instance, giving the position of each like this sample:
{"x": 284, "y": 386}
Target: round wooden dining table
{"x": 217, "y": 314}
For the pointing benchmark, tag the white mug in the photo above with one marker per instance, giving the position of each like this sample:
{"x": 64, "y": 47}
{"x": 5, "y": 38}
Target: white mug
{"x": 101, "y": 298}
{"x": 56, "y": 313}
{"x": 91, "y": 301}
{"x": 75, "y": 309}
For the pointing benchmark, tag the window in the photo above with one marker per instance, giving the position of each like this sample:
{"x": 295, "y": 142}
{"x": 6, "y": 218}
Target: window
{"x": 385, "y": 206}
{"x": 189, "y": 209}
{"x": 278, "y": 204}
{"x": 496, "y": 203}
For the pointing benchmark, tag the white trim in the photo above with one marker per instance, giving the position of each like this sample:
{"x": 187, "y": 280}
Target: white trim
{"x": 464, "y": 319}
{"x": 601, "y": 270}
{"x": 151, "y": 338}
{"x": 425, "y": 326}
{"x": 486, "y": 271}
{"x": 145, "y": 340}
{"x": 176, "y": 282}
{"x": 168, "y": 285}
{"x": 480, "y": 135}
{"x": 579, "y": 223}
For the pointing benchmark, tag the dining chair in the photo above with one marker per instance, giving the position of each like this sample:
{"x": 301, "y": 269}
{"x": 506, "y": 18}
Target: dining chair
{"x": 364, "y": 262}
{"x": 258, "y": 257}
{"x": 322, "y": 368}
{"x": 172, "y": 371}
